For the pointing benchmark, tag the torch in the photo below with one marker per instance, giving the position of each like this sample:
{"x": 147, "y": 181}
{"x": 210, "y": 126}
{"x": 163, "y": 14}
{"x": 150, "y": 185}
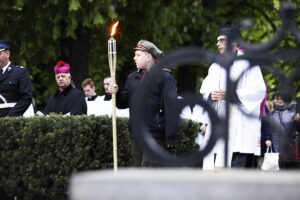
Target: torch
{"x": 112, "y": 57}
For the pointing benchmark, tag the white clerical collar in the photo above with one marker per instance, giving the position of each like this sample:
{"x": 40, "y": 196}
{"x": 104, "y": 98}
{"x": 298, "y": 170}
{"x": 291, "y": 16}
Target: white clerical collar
{"x": 5, "y": 67}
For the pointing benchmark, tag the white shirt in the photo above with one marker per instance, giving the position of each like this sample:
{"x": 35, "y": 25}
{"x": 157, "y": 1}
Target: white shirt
{"x": 5, "y": 67}
{"x": 101, "y": 107}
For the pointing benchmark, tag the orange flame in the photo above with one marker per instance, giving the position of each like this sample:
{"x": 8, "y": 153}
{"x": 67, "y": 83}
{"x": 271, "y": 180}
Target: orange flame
{"x": 113, "y": 29}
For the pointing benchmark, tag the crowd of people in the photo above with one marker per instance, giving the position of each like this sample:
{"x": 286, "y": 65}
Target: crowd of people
{"x": 247, "y": 139}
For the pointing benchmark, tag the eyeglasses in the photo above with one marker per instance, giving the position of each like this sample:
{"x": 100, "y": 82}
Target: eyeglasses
{"x": 221, "y": 40}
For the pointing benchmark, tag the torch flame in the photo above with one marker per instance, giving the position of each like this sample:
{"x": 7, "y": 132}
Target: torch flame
{"x": 113, "y": 29}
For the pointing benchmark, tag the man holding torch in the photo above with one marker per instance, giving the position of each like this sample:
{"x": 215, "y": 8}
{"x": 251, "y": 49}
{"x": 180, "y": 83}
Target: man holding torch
{"x": 146, "y": 54}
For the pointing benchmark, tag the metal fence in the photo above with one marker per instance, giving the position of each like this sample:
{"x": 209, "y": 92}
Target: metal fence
{"x": 260, "y": 54}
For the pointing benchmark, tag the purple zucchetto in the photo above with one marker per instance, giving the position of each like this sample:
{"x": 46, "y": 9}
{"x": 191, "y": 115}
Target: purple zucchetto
{"x": 61, "y": 68}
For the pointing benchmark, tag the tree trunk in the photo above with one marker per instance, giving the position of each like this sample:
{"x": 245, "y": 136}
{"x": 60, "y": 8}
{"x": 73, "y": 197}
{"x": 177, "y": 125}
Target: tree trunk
{"x": 186, "y": 79}
{"x": 78, "y": 51}
{"x": 187, "y": 75}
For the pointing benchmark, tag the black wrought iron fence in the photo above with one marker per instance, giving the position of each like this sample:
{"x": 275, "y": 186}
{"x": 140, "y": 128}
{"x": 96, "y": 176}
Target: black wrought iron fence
{"x": 257, "y": 55}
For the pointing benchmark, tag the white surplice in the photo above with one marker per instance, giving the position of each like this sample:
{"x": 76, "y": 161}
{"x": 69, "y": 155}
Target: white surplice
{"x": 198, "y": 115}
{"x": 244, "y": 132}
{"x": 101, "y": 107}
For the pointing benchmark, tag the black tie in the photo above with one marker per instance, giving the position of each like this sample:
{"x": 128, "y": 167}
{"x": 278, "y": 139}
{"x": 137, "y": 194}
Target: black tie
{"x": 1, "y": 71}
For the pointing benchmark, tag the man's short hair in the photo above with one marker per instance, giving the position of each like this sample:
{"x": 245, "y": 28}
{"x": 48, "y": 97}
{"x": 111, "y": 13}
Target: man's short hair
{"x": 86, "y": 82}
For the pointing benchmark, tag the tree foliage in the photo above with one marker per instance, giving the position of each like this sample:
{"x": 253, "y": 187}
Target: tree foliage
{"x": 77, "y": 31}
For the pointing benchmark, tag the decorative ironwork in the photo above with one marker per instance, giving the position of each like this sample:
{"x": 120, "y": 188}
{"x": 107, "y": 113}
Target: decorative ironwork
{"x": 260, "y": 55}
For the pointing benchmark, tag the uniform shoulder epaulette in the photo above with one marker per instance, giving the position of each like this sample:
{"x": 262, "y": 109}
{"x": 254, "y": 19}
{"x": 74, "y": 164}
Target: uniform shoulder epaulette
{"x": 166, "y": 69}
{"x": 19, "y": 67}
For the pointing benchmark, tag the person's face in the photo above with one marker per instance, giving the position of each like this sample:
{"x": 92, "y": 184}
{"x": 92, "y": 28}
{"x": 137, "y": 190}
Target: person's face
{"x": 279, "y": 101}
{"x": 4, "y": 57}
{"x": 142, "y": 59}
{"x": 106, "y": 83}
{"x": 89, "y": 91}
{"x": 63, "y": 80}
{"x": 221, "y": 44}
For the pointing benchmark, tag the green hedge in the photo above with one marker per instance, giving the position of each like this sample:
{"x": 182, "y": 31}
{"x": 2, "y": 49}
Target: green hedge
{"x": 39, "y": 154}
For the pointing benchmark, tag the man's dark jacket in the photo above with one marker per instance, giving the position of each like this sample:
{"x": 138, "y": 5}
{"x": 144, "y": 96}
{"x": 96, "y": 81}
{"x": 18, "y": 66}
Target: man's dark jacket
{"x": 70, "y": 100}
{"x": 158, "y": 99}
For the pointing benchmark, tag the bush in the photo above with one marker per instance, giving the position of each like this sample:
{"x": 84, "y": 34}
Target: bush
{"x": 39, "y": 154}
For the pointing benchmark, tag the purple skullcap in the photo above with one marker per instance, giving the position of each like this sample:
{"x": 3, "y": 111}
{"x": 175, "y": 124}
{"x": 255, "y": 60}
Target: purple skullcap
{"x": 61, "y": 68}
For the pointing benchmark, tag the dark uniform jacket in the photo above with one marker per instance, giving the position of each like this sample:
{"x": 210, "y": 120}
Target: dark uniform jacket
{"x": 70, "y": 100}
{"x": 15, "y": 87}
{"x": 158, "y": 98}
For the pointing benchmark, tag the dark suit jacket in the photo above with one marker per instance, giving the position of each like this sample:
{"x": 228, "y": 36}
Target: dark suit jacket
{"x": 71, "y": 100}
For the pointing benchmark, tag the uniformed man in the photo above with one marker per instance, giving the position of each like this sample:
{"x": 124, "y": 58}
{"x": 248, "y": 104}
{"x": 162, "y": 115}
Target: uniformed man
{"x": 66, "y": 100}
{"x": 15, "y": 85}
{"x": 146, "y": 54}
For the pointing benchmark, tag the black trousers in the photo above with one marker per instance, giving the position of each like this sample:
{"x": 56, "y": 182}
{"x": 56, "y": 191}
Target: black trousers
{"x": 137, "y": 153}
{"x": 243, "y": 160}
{"x": 140, "y": 158}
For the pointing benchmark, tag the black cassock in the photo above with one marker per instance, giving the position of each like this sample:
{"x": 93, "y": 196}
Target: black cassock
{"x": 15, "y": 91}
{"x": 70, "y": 100}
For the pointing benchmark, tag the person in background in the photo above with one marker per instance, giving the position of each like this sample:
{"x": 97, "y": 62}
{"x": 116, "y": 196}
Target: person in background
{"x": 15, "y": 85}
{"x": 284, "y": 116}
{"x": 66, "y": 100}
{"x": 266, "y": 131}
{"x": 93, "y": 101}
{"x": 106, "y": 106}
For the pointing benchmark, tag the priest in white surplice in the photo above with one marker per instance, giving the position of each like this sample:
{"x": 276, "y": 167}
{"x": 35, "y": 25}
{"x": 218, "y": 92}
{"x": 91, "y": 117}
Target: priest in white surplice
{"x": 106, "y": 108}
{"x": 244, "y": 132}
{"x": 100, "y": 105}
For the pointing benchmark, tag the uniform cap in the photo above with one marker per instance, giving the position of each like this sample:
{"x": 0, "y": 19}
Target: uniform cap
{"x": 4, "y": 45}
{"x": 144, "y": 45}
{"x": 61, "y": 68}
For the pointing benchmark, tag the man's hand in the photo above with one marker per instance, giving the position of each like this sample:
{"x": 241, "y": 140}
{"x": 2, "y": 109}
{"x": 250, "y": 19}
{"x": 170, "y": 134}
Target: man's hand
{"x": 297, "y": 117}
{"x": 112, "y": 88}
{"x": 203, "y": 129}
{"x": 268, "y": 143}
{"x": 218, "y": 95}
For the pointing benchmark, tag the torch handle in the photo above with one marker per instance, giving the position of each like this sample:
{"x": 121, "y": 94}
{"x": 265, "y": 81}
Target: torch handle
{"x": 114, "y": 131}
{"x": 112, "y": 58}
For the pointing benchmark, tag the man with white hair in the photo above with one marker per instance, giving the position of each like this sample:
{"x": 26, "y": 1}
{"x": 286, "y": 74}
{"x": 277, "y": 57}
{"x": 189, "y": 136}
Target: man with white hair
{"x": 15, "y": 85}
{"x": 66, "y": 100}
